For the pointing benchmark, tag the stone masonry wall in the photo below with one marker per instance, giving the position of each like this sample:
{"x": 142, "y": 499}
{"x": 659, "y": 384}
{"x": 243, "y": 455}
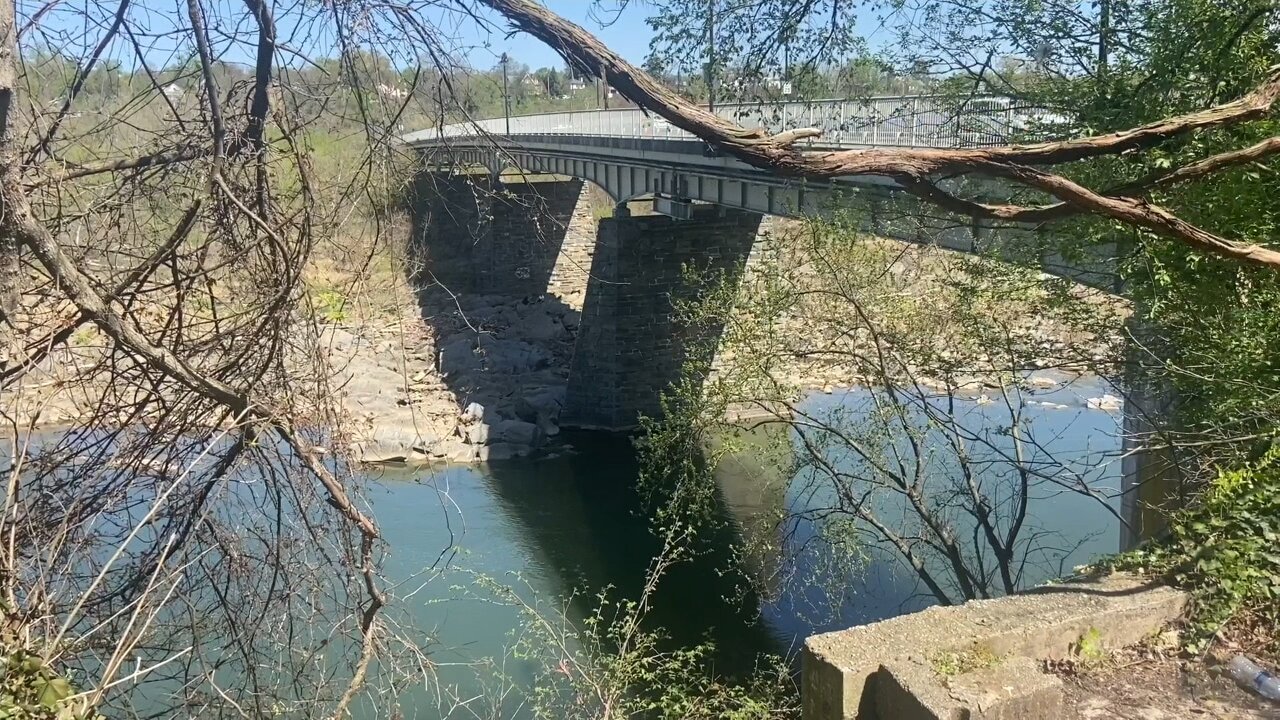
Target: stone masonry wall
{"x": 475, "y": 236}
{"x": 568, "y": 280}
{"x": 449, "y": 213}
{"x": 629, "y": 348}
{"x": 529, "y": 223}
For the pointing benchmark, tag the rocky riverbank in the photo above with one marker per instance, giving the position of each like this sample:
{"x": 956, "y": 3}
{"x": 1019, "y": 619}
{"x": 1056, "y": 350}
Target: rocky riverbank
{"x": 471, "y": 379}
{"x": 441, "y": 377}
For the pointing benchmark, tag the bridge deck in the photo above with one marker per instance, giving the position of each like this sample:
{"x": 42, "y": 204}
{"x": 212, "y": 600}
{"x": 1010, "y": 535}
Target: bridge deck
{"x": 900, "y": 121}
{"x": 631, "y": 153}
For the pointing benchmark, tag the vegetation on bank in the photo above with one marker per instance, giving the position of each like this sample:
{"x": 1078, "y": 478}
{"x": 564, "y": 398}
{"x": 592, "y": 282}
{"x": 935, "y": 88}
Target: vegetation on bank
{"x": 201, "y": 279}
{"x": 1225, "y": 549}
{"x": 1203, "y": 341}
{"x": 1208, "y": 330}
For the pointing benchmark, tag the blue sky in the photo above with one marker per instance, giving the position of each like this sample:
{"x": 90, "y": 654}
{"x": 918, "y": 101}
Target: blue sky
{"x": 625, "y": 33}
{"x": 161, "y": 25}
{"x": 305, "y": 26}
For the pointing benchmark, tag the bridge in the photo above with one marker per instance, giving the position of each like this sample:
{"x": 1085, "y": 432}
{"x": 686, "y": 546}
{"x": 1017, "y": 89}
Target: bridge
{"x": 502, "y": 210}
{"x": 632, "y": 153}
{"x": 503, "y": 207}
{"x": 500, "y": 203}
{"x": 510, "y": 189}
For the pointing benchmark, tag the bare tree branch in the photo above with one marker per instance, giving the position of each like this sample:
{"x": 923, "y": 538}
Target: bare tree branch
{"x": 917, "y": 166}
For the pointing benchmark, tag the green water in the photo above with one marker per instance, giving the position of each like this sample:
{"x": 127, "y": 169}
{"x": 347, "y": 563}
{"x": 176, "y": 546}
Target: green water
{"x": 562, "y": 529}
{"x": 557, "y": 531}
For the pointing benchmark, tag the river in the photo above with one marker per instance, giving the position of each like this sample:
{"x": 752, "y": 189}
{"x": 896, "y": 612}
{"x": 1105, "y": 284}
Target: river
{"x": 561, "y": 530}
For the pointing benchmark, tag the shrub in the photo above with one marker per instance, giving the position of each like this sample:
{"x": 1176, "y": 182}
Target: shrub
{"x": 1225, "y": 550}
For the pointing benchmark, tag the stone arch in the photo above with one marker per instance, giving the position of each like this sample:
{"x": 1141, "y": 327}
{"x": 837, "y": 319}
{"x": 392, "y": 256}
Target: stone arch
{"x": 593, "y": 175}
{"x": 593, "y": 192}
{"x": 595, "y": 186}
{"x": 641, "y": 195}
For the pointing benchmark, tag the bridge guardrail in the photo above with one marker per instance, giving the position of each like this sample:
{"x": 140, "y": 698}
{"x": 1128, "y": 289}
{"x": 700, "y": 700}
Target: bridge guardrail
{"x": 904, "y": 121}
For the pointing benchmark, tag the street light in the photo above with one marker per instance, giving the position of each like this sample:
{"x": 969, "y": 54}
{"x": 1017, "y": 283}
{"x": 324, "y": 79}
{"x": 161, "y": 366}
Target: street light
{"x": 506, "y": 96}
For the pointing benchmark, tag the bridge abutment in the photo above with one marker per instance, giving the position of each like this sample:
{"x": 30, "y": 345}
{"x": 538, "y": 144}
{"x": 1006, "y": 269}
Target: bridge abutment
{"x": 483, "y": 235}
{"x": 630, "y": 347}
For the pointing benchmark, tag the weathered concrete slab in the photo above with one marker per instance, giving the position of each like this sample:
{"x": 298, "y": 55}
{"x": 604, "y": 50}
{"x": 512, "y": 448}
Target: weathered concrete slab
{"x": 1015, "y": 688}
{"x": 908, "y": 689}
{"x": 843, "y": 671}
{"x": 1010, "y": 688}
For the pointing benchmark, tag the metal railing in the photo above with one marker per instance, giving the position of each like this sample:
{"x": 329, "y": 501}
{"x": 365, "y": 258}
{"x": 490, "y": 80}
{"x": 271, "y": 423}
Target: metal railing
{"x": 904, "y": 121}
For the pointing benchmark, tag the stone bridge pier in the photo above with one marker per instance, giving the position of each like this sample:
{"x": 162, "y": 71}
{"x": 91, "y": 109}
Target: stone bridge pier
{"x": 630, "y": 346}
{"x": 479, "y": 235}
{"x": 617, "y": 278}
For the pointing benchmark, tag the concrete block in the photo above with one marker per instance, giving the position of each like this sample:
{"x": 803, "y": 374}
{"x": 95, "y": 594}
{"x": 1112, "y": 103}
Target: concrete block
{"x": 1015, "y": 688}
{"x": 908, "y": 689}
{"x": 838, "y": 668}
{"x": 1011, "y": 688}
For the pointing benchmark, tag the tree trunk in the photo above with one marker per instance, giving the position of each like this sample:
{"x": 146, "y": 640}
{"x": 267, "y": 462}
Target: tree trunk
{"x": 9, "y": 266}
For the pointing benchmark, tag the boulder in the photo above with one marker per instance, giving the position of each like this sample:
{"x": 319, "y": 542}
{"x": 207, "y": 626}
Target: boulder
{"x": 458, "y": 356}
{"x": 1106, "y": 402}
{"x": 376, "y": 455}
{"x": 1042, "y": 382}
{"x": 391, "y": 443}
{"x": 500, "y": 409}
{"x": 478, "y": 433}
{"x": 474, "y": 411}
{"x": 539, "y": 402}
{"x": 500, "y": 451}
{"x": 512, "y": 356}
{"x": 541, "y": 326}
{"x": 338, "y": 339}
{"x": 548, "y": 427}
{"x": 453, "y": 449}
{"x": 517, "y": 432}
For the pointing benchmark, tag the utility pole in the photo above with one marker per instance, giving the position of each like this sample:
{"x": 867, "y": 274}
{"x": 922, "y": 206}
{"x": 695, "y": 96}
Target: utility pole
{"x": 786, "y": 64}
{"x": 506, "y": 96}
{"x": 711, "y": 55}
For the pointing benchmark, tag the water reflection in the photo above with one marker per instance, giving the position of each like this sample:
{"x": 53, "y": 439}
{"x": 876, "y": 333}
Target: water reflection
{"x": 1064, "y": 436}
{"x": 562, "y": 529}
{"x": 757, "y": 493}
{"x": 558, "y": 531}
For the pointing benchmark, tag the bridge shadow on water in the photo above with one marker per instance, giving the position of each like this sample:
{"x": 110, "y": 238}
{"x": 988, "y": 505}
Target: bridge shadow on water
{"x": 562, "y": 530}
{"x": 558, "y": 533}
{"x": 589, "y": 525}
